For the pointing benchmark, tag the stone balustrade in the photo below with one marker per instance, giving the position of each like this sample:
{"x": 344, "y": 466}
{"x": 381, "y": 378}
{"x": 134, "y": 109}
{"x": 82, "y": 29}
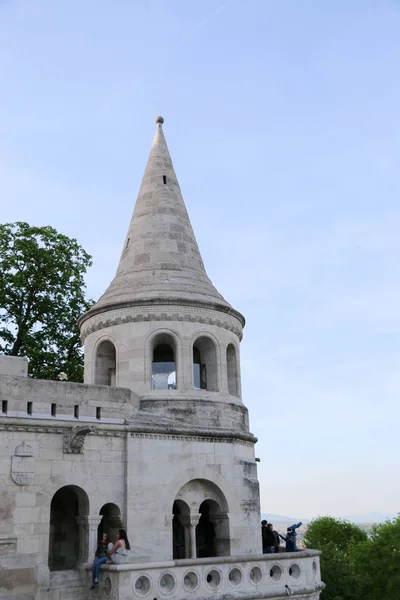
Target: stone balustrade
{"x": 262, "y": 576}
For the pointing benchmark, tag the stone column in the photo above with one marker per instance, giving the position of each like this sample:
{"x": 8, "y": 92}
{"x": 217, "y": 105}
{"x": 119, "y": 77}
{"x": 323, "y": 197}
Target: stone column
{"x": 194, "y": 519}
{"x": 93, "y": 523}
{"x": 83, "y": 538}
{"x": 184, "y": 520}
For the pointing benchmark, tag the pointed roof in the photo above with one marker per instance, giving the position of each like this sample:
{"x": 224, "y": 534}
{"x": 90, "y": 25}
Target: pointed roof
{"x": 160, "y": 260}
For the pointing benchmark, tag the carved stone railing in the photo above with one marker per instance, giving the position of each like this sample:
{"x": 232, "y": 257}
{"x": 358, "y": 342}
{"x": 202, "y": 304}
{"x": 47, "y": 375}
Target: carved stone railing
{"x": 296, "y": 575}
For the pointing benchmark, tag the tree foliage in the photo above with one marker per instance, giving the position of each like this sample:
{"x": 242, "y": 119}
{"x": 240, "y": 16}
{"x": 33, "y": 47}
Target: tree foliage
{"x": 355, "y": 566}
{"x": 41, "y": 298}
{"x": 377, "y": 563}
{"x": 334, "y": 538}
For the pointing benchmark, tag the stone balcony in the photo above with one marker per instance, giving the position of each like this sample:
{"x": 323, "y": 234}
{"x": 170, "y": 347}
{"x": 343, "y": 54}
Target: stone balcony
{"x": 262, "y": 576}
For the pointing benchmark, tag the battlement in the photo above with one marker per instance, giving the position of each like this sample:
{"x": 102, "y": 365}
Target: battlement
{"x": 41, "y": 399}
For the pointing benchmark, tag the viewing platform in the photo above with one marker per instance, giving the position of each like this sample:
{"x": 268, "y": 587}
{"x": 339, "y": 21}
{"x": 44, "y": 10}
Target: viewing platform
{"x": 280, "y": 575}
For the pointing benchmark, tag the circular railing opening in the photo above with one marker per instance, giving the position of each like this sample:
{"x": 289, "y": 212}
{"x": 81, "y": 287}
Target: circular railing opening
{"x": 213, "y": 578}
{"x": 142, "y": 585}
{"x": 294, "y": 571}
{"x": 167, "y": 583}
{"x": 190, "y": 581}
{"x": 275, "y": 573}
{"x": 314, "y": 568}
{"x": 235, "y": 576}
{"x": 107, "y": 587}
{"x": 255, "y": 575}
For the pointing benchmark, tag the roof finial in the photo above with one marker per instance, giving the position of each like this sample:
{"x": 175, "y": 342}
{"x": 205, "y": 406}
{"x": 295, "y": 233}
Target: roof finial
{"x": 159, "y": 120}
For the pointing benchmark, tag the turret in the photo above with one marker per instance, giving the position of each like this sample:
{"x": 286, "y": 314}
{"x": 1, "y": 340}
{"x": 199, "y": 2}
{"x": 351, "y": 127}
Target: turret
{"x": 161, "y": 328}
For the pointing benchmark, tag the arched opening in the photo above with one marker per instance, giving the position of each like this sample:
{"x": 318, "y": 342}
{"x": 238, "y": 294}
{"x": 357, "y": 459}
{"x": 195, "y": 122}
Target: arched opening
{"x": 231, "y": 367}
{"x": 68, "y": 543}
{"x": 206, "y": 538}
{"x": 180, "y": 530}
{"x": 212, "y": 531}
{"x": 209, "y": 535}
{"x": 163, "y": 376}
{"x": 110, "y": 522}
{"x": 105, "y": 364}
{"x": 205, "y": 368}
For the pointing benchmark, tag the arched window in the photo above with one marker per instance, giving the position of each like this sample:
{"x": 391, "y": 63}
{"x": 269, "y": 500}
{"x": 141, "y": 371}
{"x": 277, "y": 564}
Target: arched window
{"x": 105, "y": 364}
{"x": 110, "y": 522}
{"x": 231, "y": 366}
{"x": 205, "y": 369}
{"x": 67, "y": 543}
{"x": 163, "y": 376}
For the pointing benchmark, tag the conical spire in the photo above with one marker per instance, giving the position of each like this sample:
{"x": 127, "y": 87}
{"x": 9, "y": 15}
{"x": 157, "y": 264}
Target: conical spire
{"x": 160, "y": 259}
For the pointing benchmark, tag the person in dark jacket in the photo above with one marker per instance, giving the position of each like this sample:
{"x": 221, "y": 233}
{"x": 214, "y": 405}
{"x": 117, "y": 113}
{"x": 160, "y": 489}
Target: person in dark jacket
{"x": 268, "y": 540}
{"x": 100, "y": 558}
{"x": 277, "y": 541}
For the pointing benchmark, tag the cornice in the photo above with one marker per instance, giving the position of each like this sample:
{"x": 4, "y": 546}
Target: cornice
{"x": 137, "y": 430}
{"x": 174, "y": 310}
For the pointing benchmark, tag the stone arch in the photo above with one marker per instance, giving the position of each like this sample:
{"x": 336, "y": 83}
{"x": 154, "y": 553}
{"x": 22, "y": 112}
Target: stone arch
{"x": 105, "y": 362}
{"x": 205, "y": 358}
{"x": 180, "y": 530}
{"x": 68, "y": 536}
{"x": 232, "y": 370}
{"x": 110, "y": 522}
{"x": 163, "y": 359}
{"x": 209, "y": 515}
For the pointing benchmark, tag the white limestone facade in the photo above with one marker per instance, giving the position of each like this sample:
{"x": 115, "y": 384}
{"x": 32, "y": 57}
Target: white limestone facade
{"x": 156, "y": 440}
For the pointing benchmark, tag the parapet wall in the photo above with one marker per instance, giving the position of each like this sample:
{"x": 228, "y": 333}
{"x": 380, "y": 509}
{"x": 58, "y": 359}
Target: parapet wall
{"x": 36, "y": 398}
{"x": 295, "y": 574}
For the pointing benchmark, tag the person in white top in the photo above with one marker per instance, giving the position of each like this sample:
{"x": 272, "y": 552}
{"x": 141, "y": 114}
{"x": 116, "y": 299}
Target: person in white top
{"x": 119, "y": 552}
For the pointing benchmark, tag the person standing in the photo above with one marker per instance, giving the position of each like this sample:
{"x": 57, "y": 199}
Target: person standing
{"x": 277, "y": 541}
{"x": 268, "y": 540}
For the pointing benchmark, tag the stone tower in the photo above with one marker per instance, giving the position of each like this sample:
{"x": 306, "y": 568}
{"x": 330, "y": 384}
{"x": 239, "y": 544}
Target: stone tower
{"x": 156, "y": 440}
{"x": 161, "y": 328}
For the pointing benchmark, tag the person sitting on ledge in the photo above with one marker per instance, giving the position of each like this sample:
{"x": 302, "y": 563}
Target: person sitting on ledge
{"x": 100, "y": 558}
{"x": 118, "y": 552}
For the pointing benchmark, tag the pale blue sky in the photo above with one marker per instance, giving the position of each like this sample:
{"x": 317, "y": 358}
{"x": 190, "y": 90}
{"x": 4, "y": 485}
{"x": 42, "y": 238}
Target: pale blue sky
{"x": 282, "y": 118}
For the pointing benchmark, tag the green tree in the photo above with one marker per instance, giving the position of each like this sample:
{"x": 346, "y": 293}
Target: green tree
{"x": 377, "y": 563}
{"x": 41, "y": 298}
{"x": 335, "y": 538}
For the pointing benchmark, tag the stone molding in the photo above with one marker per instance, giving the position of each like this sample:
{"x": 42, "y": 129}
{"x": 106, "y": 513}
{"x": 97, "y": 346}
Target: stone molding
{"x": 193, "y": 438}
{"x": 175, "y": 313}
{"x": 166, "y": 432}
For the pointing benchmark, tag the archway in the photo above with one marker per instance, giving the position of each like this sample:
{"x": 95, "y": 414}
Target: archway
{"x": 105, "y": 364}
{"x": 205, "y": 366}
{"x": 209, "y": 534}
{"x": 206, "y": 538}
{"x": 163, "y": 372}
{"x": 231, "y": 367}
{"x": 180, "y": 530}
{"x": 68, "y": 543}
{"x": 110, "y": 522}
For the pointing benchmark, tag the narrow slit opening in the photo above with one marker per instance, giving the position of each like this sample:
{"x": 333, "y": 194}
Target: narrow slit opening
{"x": 98, "y": 412}
{"x": 29, "y": 408}
{"x": 76, "y": 411}
{"x": 4, "y": 406}
{"x": 164, "y": 179}
{"x": 53, "y": 410}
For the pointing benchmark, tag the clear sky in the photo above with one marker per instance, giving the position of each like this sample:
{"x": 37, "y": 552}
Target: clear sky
{"x": 282, "y": 118}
